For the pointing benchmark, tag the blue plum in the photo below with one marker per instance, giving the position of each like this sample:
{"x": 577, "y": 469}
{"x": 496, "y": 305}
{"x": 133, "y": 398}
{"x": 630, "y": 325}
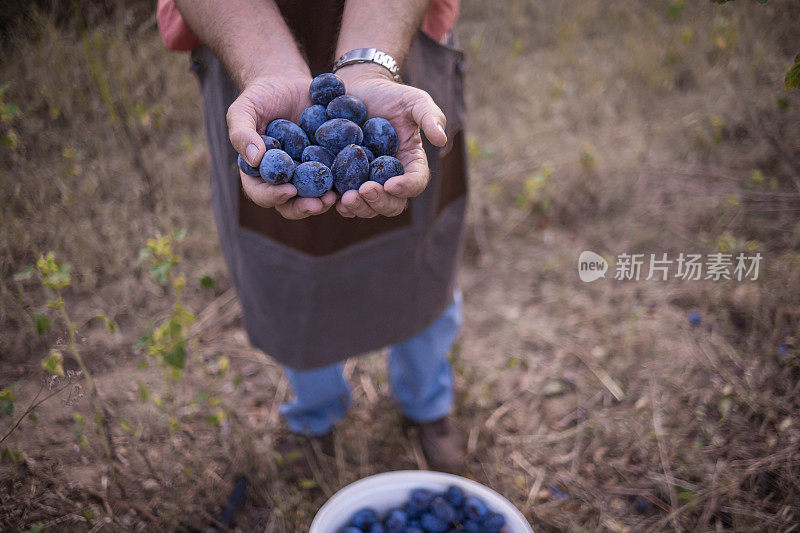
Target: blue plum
{"x": 312, "y": 118}
{"x": 312, "y": 179}
{"x": 442, "y": 510}
{"x": 253, "y": 171}
{"x": 291, "y": 136}
{"x": 370, "y": 155}
{"x": 454, "y": 496}
{"x": 471, "y": 526}
{"x": 493, "y": 522}
{"x": 317, "y": 153}
{"x": 350, "y": 529}
{"x": 413, "y": 511}
{"x": 364, "y": 518}
{"x": 337, "y": 133}
{"x": 475, "y": 509}
{"x": 276, "y": 167}
{"x": 421, "y": 498}
{"x": 350, "y": 168}
{"x": 376, "y": 528}
{"x": 433, "y": 524}
{"x": 325, "y": 88}
{"x": 349, "y": 107}
{"x": 271, "y": 142}
{"x": 246, "y": 168}
{"x": 380, "y": 136}
{"x": 384, "y": 167}
{"x": 396, "y": 521}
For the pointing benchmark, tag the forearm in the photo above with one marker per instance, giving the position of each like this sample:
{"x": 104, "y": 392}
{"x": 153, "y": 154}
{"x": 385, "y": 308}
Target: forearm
{"x": 388, "y": 25}
{"x": 249, "y": 37}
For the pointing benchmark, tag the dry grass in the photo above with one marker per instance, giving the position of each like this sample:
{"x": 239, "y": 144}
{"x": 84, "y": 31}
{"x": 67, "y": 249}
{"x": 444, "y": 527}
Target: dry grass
{"x": 616, "y": 127}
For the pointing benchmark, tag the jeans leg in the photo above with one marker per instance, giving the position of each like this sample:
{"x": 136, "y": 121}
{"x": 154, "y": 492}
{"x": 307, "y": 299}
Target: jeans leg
{"x": 322, "y": 397}
{"x": 420, "y": 375}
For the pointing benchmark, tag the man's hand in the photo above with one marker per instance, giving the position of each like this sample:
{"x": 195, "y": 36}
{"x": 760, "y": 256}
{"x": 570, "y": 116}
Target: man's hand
{"x": 262, "y": 101}
{"x": 408, "y": 109}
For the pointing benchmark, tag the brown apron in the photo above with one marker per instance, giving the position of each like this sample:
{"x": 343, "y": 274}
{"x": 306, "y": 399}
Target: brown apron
{"x": 319, "y": 290}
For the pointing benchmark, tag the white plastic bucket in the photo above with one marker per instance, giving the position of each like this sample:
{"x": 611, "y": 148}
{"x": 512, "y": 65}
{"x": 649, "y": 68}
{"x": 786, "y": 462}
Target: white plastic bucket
{"x": 391, "y": 489}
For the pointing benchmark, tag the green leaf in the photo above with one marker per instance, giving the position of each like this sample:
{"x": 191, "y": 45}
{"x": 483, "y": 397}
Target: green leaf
{"x": 33, "y": 417}
{"x": 216, "y": 418}
{"x": 54, "y": 363}
{"x": 793, "y": 75}
{"x": 7, "y": 398}
{"x": 308, "y": 484}
{"x": 60, "y": 278}
{"x": 24, "y": 274}
{"x": 109, "y": 324}
{"x": 41, "y": 324}
{"x": 58, "y": 303}
{"x": 144, "y": 392}
{"x": 686, "y": 495}
{"x": 675, "y": 9}
{"x": 160, "y": 270}
{"x": 8, "y": 112}
{"x": 176, "y": 357}
{"x": 179, "y": 235}
{"x": 207, "y": 282}
{"x": 144, "y": 340}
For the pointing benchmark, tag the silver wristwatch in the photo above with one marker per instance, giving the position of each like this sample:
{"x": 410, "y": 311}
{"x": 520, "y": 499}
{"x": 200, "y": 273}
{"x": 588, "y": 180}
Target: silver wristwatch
{"x": 369, "y": 55}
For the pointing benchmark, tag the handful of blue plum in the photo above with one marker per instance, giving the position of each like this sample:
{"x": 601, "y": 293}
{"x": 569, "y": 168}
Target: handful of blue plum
{"x": 430, "y": 512}
{"x": 334, "y": 146}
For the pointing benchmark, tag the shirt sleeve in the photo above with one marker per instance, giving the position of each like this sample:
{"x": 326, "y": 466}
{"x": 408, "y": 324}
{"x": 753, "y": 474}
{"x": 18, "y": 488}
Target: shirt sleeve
{"x": 177, "y": 36}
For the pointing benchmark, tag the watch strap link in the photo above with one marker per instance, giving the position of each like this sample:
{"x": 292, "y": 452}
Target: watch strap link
{"x": 369, "y": 55}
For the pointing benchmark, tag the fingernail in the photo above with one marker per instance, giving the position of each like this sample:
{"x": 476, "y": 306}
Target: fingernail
{"x": 441, "y": 128}
{"x": 371, "y": 195}
{"x": 251, "y": 152}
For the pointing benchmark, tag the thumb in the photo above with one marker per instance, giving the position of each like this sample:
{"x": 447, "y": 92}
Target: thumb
{"x": 430, "y": 119}
{"x": 242, "y": 131}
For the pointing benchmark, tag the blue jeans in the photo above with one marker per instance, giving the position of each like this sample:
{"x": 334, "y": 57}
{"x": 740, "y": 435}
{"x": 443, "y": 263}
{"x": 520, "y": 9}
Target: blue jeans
{"x": 420, "y": 377}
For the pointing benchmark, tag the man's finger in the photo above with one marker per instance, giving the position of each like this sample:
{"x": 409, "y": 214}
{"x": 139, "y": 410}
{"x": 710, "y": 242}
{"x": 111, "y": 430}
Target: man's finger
{"x": 328, "y": 199}
{"x": 298, "y": 208}
{"x": 243, "y": 133}
{"x": 343, "y": 210}
{"x": 416, "y": 176}
{"x": 381, "y": 201}
{"x": 430, "y": 119}
{"x": 357, "y": 205}
{"x": 265, "y": 194}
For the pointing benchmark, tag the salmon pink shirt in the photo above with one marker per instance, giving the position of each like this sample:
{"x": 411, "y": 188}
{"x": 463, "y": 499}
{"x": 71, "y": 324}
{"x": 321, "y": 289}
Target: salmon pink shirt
{"x": 439, "y": 20}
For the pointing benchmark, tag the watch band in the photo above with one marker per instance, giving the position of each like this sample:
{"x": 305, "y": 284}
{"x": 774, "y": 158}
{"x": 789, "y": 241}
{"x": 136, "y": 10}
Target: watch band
{"x": 369, "y": 55}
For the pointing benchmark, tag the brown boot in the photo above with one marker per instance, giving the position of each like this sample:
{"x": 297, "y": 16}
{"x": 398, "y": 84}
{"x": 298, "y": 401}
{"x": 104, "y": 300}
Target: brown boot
{"x": 442, "y": 443}
{"x": 296, "y": 454}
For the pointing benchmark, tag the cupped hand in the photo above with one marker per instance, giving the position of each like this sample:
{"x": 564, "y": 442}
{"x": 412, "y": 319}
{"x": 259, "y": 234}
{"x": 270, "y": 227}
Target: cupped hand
{"x": 409, "y": 110}
{"x": 263, "y": 100}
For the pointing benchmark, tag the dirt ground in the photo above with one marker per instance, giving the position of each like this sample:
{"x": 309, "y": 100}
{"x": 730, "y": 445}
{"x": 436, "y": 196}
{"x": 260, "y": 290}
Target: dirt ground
{"x": 616, "y": 405}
